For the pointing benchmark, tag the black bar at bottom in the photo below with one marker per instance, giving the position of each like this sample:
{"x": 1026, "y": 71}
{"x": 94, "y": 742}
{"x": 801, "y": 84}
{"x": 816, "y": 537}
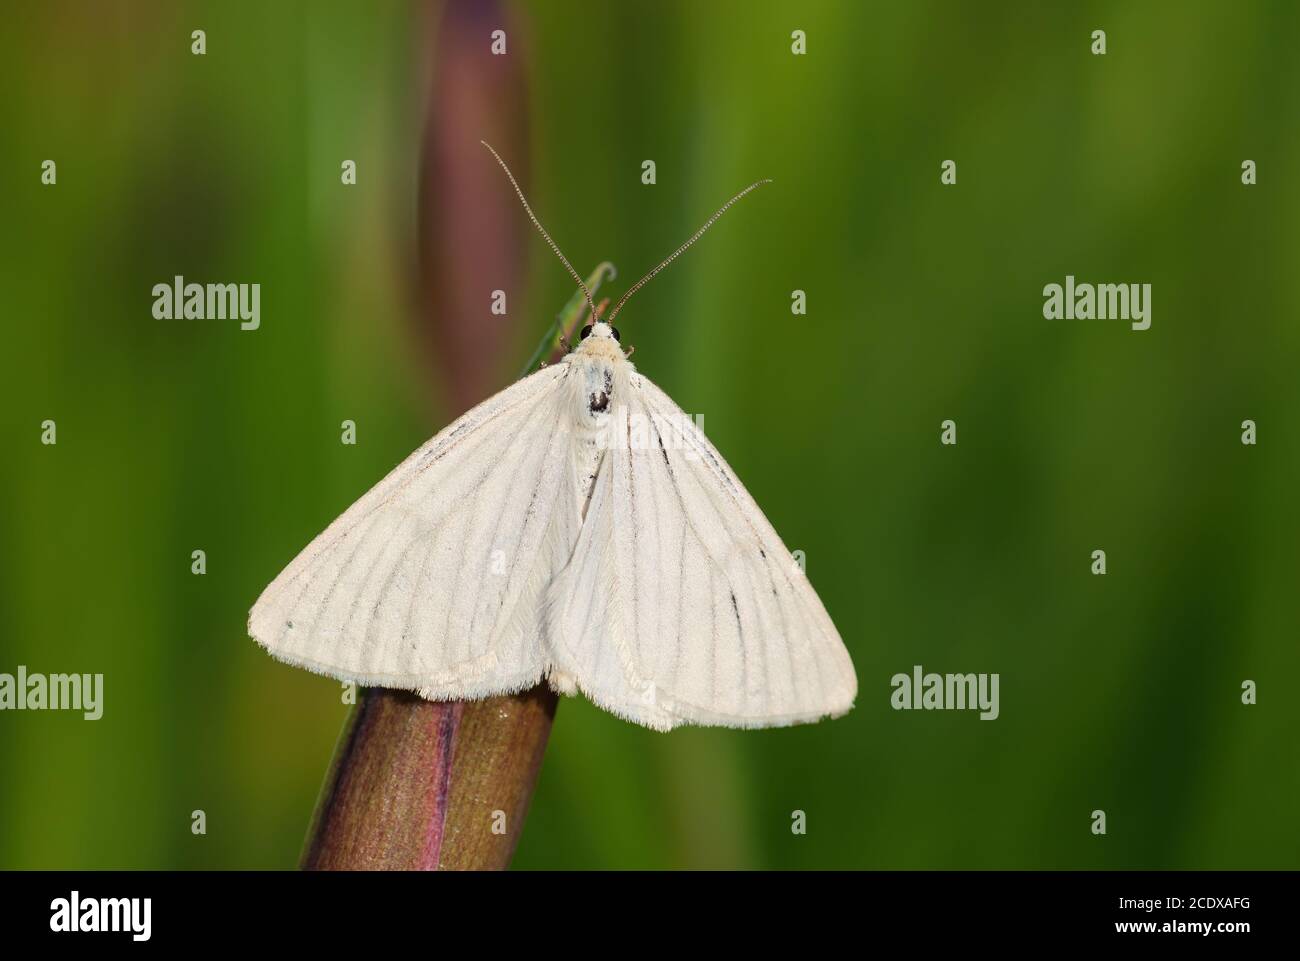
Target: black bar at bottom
{"x": 585, "y": 911}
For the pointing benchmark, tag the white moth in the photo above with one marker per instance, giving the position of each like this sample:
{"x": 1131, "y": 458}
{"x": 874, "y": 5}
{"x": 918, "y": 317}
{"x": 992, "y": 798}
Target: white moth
{"x": 574, "y": 527}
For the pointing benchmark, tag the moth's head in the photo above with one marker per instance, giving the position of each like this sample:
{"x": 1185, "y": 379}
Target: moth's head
{"x": 599, "y": 330}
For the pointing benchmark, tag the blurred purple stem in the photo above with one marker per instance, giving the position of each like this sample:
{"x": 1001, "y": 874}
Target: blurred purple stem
{"x": 416, "y": 784}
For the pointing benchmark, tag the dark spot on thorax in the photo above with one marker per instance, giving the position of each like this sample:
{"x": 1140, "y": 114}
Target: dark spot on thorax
{"x": 598, "y": 402}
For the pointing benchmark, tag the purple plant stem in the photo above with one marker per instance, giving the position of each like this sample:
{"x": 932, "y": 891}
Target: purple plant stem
{"x": 415, "y": 784}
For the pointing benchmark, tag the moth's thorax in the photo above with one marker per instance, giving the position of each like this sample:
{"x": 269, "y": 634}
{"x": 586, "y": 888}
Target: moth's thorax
{"x": 597, "y": 380}
{"x": 599, "y": 365}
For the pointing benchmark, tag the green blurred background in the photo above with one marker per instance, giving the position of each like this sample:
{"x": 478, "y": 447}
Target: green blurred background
{"x": 1119, "y": 692}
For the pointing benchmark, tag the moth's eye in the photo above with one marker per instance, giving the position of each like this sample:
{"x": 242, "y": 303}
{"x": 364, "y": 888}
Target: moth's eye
{"x": 586, "y": 332}
{"x": 614, "y": 331}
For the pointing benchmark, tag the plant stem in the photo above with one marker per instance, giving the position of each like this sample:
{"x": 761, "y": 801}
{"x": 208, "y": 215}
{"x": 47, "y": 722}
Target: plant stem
{"x": 420, "y": 785}
{"x": 566, "y": 321}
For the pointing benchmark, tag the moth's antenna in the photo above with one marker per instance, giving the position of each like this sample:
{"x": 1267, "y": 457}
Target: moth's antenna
{"x": 674, "y": 255}
{"x": 537, "y": 223}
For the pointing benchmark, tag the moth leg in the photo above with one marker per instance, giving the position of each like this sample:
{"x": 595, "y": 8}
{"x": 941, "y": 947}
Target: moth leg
{"x": 630, "y": 351}
{"x": 561, "y": 683}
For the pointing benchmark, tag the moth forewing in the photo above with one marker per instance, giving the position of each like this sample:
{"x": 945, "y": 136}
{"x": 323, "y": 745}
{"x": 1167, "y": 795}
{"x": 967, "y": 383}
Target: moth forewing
{"x": 432, "y": 581}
